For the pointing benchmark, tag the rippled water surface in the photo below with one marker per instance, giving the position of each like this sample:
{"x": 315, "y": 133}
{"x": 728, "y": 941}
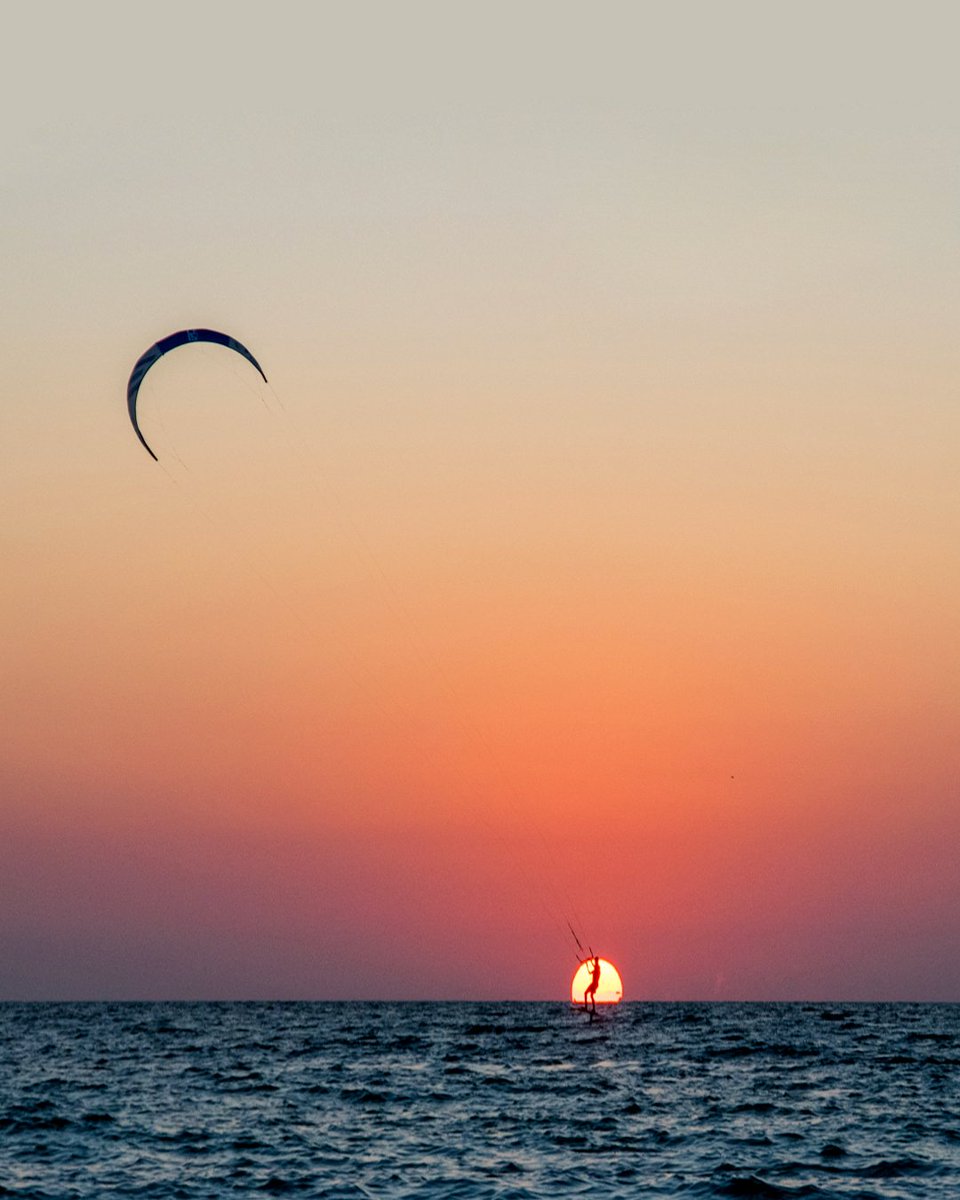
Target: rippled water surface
{"x": 511, "y": 1101}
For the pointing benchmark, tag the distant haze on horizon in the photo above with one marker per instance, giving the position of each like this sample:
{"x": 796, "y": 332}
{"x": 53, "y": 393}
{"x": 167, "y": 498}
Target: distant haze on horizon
{"x": 591, "y": 556}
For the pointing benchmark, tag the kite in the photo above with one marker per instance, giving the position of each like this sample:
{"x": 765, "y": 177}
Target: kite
{"x": 157, "y": 351}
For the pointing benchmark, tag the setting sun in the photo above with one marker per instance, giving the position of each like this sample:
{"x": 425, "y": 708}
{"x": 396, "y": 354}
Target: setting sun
{"x": 609, "y": 987}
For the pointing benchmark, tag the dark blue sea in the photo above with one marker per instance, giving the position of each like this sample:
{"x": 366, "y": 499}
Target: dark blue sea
{"x": 515, "y": 1101}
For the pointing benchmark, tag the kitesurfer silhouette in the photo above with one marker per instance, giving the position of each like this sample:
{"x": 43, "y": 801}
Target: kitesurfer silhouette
{"x": 590, "y": 995}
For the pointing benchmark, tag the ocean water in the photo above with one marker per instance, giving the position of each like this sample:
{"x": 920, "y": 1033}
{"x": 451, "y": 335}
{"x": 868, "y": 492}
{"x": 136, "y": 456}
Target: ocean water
{"x": 515, "y": 1101}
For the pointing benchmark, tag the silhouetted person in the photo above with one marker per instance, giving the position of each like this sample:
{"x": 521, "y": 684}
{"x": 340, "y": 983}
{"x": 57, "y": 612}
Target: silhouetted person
{"x": 590, "y": 995}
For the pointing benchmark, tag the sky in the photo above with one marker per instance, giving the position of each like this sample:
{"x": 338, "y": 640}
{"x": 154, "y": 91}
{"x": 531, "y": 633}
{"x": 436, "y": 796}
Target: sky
{"x": 586, "y": 570}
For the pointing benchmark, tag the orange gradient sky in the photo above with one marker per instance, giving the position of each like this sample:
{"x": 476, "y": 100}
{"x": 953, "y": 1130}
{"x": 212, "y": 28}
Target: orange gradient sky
{"x": 590, "y": 557}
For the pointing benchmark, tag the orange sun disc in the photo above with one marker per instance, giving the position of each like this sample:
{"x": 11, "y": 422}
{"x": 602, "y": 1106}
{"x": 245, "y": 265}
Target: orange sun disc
{"x": 609, "y": 987}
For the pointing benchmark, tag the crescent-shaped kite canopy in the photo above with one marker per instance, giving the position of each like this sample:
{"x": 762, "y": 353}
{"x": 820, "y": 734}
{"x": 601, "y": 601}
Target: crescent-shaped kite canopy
{"x": 159, "y": 349}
